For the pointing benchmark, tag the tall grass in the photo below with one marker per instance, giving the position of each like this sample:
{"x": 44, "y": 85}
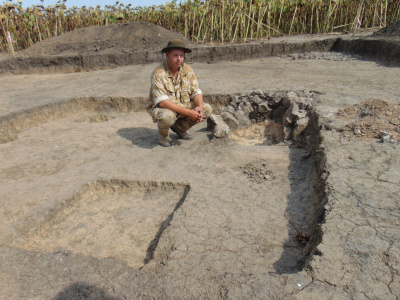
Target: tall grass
{"x": 203, "y": 21}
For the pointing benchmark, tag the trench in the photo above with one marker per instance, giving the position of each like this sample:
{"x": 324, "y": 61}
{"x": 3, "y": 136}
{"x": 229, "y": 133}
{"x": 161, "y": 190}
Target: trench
{"x": 72, "y": 221}
{"x": 380, "y": 49}
{"x": 109, "y": 218}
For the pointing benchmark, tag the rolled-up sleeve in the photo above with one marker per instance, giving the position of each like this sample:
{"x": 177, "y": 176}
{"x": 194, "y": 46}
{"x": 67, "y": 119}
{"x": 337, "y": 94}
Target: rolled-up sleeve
{"x": 158, "y": 92}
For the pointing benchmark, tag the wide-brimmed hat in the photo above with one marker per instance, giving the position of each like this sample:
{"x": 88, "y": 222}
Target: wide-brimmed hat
{"x": 176, "y": 44}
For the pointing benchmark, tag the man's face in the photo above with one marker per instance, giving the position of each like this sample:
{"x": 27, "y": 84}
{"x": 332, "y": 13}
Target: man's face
{"x": 175, "y": 58}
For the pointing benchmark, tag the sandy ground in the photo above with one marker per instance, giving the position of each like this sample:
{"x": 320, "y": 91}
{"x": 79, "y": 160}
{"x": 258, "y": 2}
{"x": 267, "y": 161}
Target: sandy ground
{"x": 93, "y": 208}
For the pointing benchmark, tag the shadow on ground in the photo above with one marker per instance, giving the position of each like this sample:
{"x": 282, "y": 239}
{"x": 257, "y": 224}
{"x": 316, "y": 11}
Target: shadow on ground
{"x": 82, "y": 290}
{"x": 298, "y": 209}
{"x": 140, "y": 136}
{"x": 164, "y": 225}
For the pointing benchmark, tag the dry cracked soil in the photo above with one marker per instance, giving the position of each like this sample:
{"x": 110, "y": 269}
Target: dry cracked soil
{"x": 93, "y": 208}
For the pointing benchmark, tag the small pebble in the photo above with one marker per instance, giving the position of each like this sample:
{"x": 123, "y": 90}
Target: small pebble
{"x": 365, "y": 113}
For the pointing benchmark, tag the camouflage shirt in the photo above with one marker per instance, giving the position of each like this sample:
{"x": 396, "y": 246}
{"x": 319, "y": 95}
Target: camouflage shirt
{"x": 164, "y": 86}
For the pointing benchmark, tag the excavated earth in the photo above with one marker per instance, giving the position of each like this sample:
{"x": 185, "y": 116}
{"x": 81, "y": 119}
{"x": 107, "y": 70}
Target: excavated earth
{"x": 93, "y": 208}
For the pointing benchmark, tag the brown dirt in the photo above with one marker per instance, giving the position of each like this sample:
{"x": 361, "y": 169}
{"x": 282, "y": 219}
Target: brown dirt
{"x": 369, "y": 118}
{"x": 125, "y": 38}
{"x": 393, "y": 30}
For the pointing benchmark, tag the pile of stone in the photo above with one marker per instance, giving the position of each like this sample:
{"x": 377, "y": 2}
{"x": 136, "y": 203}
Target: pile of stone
{"x": 334, "y": 56}
{"x": 289, "y": 108}
{"x": 258, "y": 171}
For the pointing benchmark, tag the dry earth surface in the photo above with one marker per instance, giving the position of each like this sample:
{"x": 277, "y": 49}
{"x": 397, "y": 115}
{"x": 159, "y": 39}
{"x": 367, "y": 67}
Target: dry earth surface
{"x": 93, "y": 208}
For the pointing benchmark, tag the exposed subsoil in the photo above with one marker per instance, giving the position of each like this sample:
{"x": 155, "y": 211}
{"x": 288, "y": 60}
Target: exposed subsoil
{"x": 93, "y": 208}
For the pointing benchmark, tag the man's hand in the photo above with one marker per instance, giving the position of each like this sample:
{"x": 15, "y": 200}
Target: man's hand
{"x": 199, "y": 109}
{"x": 196, "y": 114}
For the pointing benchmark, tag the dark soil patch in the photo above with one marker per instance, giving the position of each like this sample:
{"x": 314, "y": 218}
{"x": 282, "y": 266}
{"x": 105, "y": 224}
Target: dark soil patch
{"x": 123, "y": 38}
{"x": 393, "y": 30}
{"x": 369, "y": 118}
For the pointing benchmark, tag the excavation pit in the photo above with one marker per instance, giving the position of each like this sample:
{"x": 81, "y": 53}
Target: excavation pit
{"x": 265, "y": 118}
{"x": 113, "y": 218}
{"x": 232, "y": 220}
{"x": 229, "y": 239}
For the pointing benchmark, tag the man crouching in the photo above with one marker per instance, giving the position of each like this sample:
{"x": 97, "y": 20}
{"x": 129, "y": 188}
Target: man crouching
{"x": 176, "y": 100}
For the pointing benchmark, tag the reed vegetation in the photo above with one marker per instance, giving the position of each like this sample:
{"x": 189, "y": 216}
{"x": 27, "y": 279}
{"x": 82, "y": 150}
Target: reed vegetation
{"x": 218, "y": 21}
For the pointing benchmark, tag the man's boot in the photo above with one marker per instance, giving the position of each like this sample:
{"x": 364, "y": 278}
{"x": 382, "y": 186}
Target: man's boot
{"x": 181, "y": 134}
{"x": 165, "y": 141}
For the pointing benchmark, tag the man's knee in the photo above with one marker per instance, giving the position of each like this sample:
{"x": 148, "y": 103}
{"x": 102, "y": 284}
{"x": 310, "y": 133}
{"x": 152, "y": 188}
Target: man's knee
{"x": 165, "y": 117}
{"x": 207, "y": 110}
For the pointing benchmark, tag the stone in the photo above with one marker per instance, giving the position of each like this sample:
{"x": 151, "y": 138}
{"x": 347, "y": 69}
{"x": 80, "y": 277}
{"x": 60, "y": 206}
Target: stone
{"x": 286, "y": 102}
{"x": 295, "y": 110}
{"x": 230, "y": 120}
{"x": 304, "y": 103}
{"x": 247, "y": 109}
{"x": 290, "y": 114}
{"x": 287, "y": 132}
{"x": 385, "y": 136}
{"x": 258, "y": 92}
{"x": 279, "y": 96}
{"x": 301, "y": 124}
{"x": 292, "y": 96}
{"x": 229, "y": 109}
{"x": 217, "y": 126}
{"x": 236, "y": 99}
{"x": 365, "y": 113}
{"x": 257, "y": 99}
{"x": 287, "y": 121}
{"x": 264, "y": 107}
{"x": 384, "y": 133}
{"x": 297, "y": 115}
{"x": 243, "y": 119}
{"x": 357, "y": 131}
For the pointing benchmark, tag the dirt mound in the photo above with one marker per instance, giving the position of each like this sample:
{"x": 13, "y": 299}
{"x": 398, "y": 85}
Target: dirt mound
{"x": 369, "y": 118}
{"x": 393, "y": 30}
{"x": 125, "y": 38}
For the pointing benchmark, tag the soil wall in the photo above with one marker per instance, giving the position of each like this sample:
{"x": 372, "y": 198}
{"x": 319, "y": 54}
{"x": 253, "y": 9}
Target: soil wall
{"x": 386, "y": 50}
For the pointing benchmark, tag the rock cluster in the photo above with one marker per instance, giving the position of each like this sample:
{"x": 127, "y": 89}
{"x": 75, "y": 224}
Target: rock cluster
{"x": 258, "y": 171}
{"x": 334, "y": 56}
{"x": 289, "y": 108}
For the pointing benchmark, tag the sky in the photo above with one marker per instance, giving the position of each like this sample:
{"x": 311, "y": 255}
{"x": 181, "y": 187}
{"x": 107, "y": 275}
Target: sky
{"x": 94, "y": 3}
